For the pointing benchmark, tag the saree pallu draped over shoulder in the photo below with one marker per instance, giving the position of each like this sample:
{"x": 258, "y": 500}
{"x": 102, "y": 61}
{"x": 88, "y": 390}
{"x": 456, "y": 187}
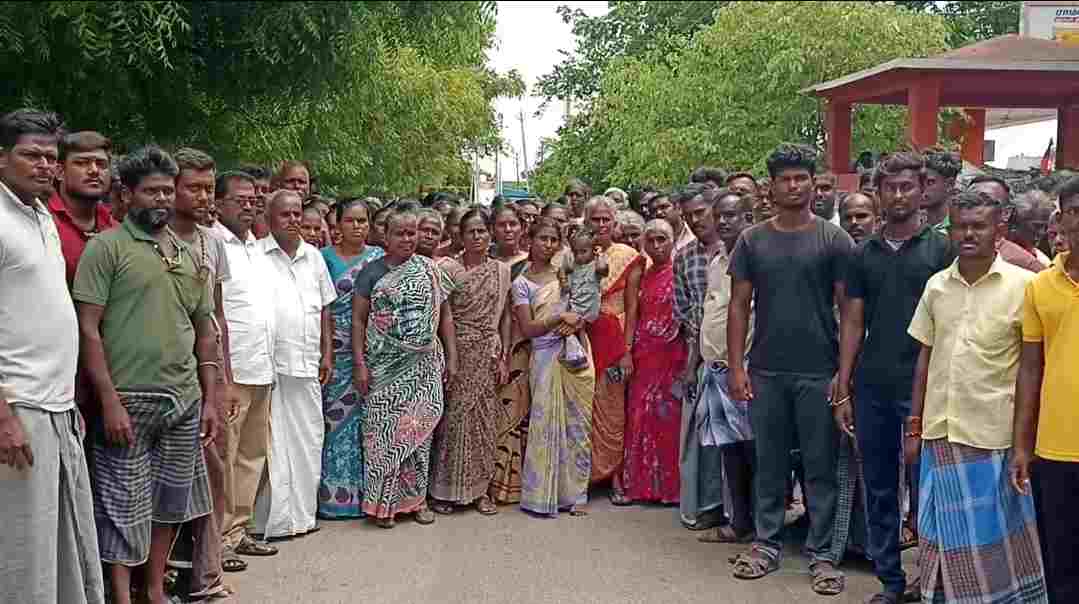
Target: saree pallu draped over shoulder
{"x": 607, "y": 336}
{"x": 463, "y": 458}
{"x": 558, "y": 459}
{"x": 340, "y": 490}
{"x": 511, "y": 411}
{"x": 404, "y": 403}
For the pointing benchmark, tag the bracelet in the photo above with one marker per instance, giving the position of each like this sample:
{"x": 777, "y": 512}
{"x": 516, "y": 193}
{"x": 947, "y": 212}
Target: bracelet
{"x": 840, "y": 402}
{"x": 210, "y": 364}
{"x": 913, "y": 434}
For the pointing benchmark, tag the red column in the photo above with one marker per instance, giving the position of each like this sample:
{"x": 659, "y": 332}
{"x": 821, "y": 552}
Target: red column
{"x": 923, "y": 106}
{"x": 1068, "y": 137}
{"x": 973, "y": 136}
{"x": 837, "y": 125}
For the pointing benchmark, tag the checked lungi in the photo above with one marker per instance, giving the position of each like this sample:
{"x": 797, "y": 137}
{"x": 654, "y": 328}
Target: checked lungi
{"x": 159, "y": 477}
{"x": 979, "y": 540}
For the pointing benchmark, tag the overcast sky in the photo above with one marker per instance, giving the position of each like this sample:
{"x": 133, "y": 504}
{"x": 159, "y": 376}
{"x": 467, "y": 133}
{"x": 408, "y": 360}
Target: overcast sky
{"x": 529, "y": 36}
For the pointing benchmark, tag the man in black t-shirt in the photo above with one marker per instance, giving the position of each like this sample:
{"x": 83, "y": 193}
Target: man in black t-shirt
{"x": 793, "y": 268}
{"x": 886, "y": 276}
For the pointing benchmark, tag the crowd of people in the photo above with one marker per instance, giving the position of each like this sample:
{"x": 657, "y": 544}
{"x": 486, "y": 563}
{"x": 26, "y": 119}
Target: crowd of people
{"x": 198, "y": 364}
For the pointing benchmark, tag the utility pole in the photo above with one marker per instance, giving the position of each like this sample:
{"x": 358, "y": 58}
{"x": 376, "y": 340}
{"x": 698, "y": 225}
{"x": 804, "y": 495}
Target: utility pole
{"x": 524, "y": 146}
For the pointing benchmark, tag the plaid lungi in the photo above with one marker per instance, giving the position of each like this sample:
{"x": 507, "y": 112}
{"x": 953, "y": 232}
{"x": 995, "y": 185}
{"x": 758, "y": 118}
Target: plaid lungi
{"x": 979, "y": 540}
{"x": 159, "y": 477}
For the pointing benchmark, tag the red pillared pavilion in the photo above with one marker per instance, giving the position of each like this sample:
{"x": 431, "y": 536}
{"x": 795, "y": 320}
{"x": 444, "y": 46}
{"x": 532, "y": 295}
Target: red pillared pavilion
{"x": 1005, "y": 72}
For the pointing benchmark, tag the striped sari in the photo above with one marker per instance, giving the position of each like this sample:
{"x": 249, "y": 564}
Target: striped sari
{"x": 404, "y": 403}
{"x": 979, "y": 542}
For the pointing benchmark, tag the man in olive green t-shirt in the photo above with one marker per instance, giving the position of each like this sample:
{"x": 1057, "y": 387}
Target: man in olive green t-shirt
{"x": 142, "y": 311}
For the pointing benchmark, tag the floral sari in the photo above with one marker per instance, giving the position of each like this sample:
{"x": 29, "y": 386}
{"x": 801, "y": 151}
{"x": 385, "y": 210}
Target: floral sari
{"x": 463, "y": 458}
{"x": 608, "y": 346}
{"x": 558, "y": 459}
{"x": 340, "y": 490}
{"x": 653, "y": 414}
{"x": 511, "y": 412}
{"x": 404, "y": 403}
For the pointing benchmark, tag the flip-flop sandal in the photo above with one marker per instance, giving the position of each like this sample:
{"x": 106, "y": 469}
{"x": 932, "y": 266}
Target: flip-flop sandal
{"x": 485, "y": 506}
{"x": 443, "y": 508}
{"x": 233, "y": 565}
{"x": 753, "y": 566}
{"x": 724, "y": 534}
{"x": 576, "y": 512}
{"x": 250, "y": 547}
{"x": 826, "y": 580}
{"x": 386, "y": 523}
{"x": 619, "y": 499}
{"x": 425, "y": 516}
{"x": 910, "y": 538}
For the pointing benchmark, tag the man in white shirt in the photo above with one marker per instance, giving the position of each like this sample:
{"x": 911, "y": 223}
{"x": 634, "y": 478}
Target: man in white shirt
{"x": 249, "y": 316}
{"x": 302, "y": 294}
{"x": 48, "y": 545}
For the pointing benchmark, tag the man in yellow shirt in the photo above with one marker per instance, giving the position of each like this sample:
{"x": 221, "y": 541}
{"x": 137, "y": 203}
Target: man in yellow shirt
{"x": 1046, "y": 405}
{"x": 978, "y": 539}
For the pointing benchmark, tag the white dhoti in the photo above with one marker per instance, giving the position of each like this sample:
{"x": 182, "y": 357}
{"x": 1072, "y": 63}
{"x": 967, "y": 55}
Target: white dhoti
{"x": 48, "y": 541}
{"x": 287, "y": 503}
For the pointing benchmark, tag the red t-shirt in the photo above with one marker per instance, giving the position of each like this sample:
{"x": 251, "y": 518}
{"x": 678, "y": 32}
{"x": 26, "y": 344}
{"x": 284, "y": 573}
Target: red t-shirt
{"x": 72, "y": 238}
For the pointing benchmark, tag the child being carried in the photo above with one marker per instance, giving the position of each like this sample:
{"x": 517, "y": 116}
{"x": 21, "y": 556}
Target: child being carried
{"x": 581, "y": 275}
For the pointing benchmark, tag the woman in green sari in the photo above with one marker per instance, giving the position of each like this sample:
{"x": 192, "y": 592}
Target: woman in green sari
{"x": 404, "y": 349}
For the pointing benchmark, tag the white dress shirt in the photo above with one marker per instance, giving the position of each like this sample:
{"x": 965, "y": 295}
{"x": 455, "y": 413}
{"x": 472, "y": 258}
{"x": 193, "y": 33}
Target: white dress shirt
{"x": 39, "y": 334}
{"x": 302, "y": 288}
{"x": 247, "y": 301}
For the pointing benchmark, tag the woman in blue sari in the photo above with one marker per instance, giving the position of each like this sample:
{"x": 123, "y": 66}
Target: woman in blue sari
{"x": 340, "y": 491}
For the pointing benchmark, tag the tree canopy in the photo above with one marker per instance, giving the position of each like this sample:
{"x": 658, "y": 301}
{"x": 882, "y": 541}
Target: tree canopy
{"x": 731, "y": 93}
{"x": 380, "y": 96}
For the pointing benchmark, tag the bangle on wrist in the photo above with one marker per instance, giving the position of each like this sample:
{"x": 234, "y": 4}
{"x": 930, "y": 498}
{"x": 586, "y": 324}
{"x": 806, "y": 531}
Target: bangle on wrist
{"x": 210, "y": 364}
{"x": 913, "y": 434}
{"x": 840, "y": 402}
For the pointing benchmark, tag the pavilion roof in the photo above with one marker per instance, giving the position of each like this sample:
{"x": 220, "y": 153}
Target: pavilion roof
{"x": 1007, "y": 71}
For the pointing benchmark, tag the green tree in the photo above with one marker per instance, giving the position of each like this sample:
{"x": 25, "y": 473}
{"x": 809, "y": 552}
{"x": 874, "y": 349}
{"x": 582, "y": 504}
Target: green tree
{"x": 970, "y": 21}
{"x": 380, "y": 95}
{"x": 631, "y": 28}
{"x": 733, "y": 93}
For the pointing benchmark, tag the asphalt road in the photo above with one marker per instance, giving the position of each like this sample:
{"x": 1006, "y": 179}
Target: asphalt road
{"x": 612, "y": 556}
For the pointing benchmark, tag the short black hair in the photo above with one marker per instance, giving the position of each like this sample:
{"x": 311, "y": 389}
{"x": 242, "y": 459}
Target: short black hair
{"x": 736, "y": 175}
{"x": 143, "y": 162}
{"x": 970, "y": 199}
{"x": 577, "y": 183}
{"x": 689, "y": 192}
{"x": 22, "y": 122}
{"x": 554, "y": 205}
{"x": 256, "y": 172}
{"x": 894, "y": 163}
{"x": 792, "y": 155}
{"x": 705, "y": 174}
{"x": 224, "y": 180}
{"x": 1069, "y": 188}
{"x": 990, "y": 178}
{"x": 946, "y": 163}
{"x": 188, "y": 158}
{"x": 81, "y": 142}
{"x": 744, "y": 201}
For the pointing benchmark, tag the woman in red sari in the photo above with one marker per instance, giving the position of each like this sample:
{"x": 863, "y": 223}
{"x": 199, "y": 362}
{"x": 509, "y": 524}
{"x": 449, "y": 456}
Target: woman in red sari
{"x": 610, "y": 336}
{"x": 653, "y": 413}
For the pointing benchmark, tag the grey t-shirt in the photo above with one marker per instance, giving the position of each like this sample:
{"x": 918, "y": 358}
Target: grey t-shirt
{"x": 793, "y": 276}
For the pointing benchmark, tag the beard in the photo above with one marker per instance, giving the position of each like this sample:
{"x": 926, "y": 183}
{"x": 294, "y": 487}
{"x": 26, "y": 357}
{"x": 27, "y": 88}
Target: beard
{"x": 150, "y": 220}
{"x": 84, "y": 198}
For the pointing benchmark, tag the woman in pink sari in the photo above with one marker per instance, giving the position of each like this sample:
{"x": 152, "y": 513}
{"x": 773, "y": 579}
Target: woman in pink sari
{"x": 653, "y": 413}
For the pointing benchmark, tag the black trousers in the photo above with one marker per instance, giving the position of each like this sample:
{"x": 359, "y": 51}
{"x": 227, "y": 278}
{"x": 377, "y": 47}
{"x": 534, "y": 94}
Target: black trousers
{"x": 1056, "y": 499}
